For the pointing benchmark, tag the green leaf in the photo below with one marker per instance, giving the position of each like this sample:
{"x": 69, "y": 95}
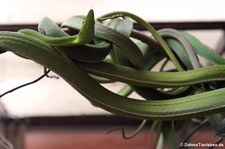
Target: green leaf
{"x": 168, "y": 130}
{"x": 124, "y": 26}
{"x": 221, "y": 130}
{"x": 215, "y": 122}
{"x": 47, "y": 27}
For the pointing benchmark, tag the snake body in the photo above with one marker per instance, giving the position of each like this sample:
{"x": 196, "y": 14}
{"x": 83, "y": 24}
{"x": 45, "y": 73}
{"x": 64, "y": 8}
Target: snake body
{"x": 45, "y": 50}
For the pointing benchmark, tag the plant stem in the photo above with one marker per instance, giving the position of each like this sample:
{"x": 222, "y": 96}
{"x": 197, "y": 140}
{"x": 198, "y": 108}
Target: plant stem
{"x": 194, "y": 131}
{"x": 26, "y": 84}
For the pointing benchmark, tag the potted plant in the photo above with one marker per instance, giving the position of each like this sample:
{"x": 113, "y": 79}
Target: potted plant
{"x": 86, "y": 52}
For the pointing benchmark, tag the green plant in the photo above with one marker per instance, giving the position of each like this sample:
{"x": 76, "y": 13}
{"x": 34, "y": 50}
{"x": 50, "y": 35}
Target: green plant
{"x": 87, "y": 52}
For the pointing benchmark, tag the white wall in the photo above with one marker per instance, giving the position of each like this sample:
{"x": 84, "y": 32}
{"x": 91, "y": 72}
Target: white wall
{"x": 55, "y": 97}
{"x": 14, "y": 11}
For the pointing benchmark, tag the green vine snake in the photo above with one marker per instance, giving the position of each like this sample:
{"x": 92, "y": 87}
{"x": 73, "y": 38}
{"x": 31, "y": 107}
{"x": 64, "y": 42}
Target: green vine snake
{"x": 48, "y": 51}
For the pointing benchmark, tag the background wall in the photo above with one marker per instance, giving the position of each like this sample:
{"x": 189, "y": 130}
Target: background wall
{"x": 17, "y": 11}
{"x": 55, "y": 97}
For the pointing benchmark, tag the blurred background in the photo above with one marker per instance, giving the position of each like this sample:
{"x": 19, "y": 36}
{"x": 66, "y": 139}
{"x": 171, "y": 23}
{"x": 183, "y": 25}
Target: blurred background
{"x": 54, "y": 97}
